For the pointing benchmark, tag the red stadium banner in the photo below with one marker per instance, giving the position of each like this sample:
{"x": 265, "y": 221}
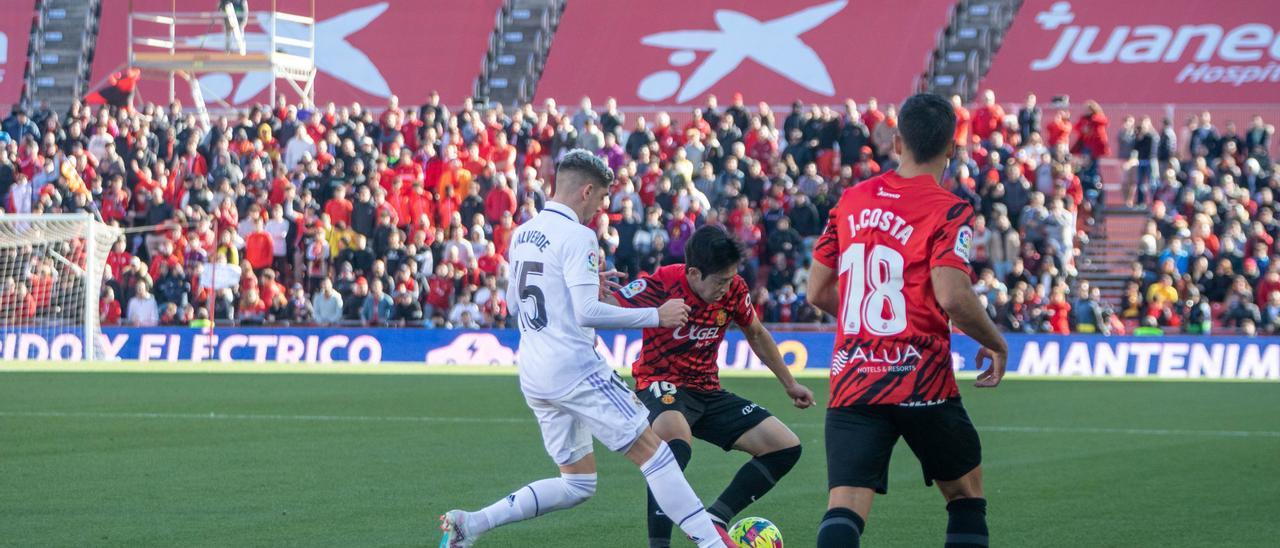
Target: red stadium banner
{"x": 366, "y": 50}
{"x": 676, "y": 52}
{"x": 1176, "y": 52}
{"x": 15, "y": 33}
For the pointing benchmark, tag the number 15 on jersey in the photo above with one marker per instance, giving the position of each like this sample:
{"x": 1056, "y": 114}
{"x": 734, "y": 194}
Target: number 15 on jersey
{"x": 531, "y": 295}
{"x": 873, "y": 296}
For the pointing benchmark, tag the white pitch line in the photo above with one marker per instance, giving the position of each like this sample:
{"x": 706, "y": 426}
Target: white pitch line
{"x": 1134, "y": 431}
{"x": 232, "y": 416}
{"x": 512, "y": 420}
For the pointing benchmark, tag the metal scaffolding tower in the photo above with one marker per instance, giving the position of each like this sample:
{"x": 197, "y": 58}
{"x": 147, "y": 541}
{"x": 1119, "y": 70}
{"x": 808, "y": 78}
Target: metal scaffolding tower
{"x": 180, "y": 44}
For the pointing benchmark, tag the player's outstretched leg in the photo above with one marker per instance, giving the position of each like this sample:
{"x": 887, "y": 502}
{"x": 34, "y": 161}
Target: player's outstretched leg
{"x": 672, "y": 427}
{"x": 775, "y": 449}
{"x": 966, "y": 511}
{"x": 672, "y": 491}
{"x": 659, "y": 524}
{"x": 540, "y": 497}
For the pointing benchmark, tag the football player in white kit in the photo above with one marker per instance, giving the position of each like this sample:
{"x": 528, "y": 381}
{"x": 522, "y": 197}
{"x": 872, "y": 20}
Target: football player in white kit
{"x": 554, "y": 292}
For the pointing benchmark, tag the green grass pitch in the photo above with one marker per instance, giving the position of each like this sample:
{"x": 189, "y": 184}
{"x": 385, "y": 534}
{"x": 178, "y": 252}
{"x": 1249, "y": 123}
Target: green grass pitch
{"x": 129, "y": 459}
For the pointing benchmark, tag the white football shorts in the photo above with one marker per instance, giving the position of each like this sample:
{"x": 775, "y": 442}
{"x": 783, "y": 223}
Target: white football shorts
{"x": 602, "y": 405}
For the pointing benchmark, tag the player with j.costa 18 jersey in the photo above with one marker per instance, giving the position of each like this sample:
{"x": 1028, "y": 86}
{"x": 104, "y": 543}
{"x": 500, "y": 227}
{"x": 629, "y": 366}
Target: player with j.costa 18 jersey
{"x": 893, "y": 268}
{"x": 678, "y": 379}
{"x": 554, "y": 294}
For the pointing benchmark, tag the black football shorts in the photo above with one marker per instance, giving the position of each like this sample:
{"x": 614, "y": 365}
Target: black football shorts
{"x": 860, "y": 440}
{"x": 719, "y": 417}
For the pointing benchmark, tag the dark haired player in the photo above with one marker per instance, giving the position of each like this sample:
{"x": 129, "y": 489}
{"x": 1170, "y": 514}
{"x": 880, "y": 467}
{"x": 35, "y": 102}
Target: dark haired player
{"x": 678, "y": 380}
{"x": 893, "y": 268}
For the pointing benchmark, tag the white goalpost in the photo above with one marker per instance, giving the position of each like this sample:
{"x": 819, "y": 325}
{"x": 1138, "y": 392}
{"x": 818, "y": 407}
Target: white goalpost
{"x": 51, "y": 271}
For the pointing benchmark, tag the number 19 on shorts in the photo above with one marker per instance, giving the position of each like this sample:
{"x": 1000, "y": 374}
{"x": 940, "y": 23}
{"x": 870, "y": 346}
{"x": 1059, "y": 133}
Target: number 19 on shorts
{"x": 873, "y": 296}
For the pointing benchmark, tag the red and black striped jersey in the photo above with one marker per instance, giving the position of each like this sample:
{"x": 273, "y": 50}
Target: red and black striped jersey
{"x": 685, "y": 356}
{"x": 884, "y": 237}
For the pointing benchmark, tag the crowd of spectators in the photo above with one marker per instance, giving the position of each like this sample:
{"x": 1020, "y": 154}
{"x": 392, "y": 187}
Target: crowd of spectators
{"x": 1207, "y": 254}
{"x": 344, "y": 215}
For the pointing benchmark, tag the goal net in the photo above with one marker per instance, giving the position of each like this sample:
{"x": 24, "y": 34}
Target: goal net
{"x": 51, "y": 271}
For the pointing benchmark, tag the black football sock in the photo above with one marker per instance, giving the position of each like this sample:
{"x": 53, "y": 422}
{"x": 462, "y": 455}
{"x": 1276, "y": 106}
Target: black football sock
{"x": 753, "y": 480}
{"x": 659, "y": 524}
{"x": 967, "y": 523}
{"x": 841, "y": 528}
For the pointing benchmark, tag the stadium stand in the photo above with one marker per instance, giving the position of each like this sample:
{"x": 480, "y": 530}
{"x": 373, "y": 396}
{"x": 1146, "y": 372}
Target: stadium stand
{"x": 1084, "y": 212}
{"x": 427, "y": 230}
{"x": 974, "y": 33}
{"x": 518, "y": 50}
{"x": 62, "y": 44}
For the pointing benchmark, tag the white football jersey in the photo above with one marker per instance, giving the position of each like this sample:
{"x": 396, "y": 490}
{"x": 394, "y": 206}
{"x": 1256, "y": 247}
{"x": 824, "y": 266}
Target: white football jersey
{"x": 549, "y": 254}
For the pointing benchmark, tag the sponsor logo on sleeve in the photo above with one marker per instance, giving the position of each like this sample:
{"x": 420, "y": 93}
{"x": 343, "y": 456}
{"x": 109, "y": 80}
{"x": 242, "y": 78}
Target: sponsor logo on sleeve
{"x": 593, "y": 263}
{"x": 634, "y": 288}
{"x": 964, "y": 242}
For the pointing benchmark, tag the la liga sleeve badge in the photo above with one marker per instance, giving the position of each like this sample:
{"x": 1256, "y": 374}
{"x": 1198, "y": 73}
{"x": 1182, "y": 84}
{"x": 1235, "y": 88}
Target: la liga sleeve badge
{"x": 964, "y": 242}
{"x": 634, "y": 288}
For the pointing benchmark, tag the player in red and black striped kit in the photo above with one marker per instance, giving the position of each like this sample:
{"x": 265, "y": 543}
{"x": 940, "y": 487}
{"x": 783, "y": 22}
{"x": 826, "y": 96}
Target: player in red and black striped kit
{"x": 893, "y": 268}
{"x": 678, "y": 379}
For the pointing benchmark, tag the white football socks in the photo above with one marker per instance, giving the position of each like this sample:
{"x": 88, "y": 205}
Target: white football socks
{"x": 535, "y": 499}
{"x": 669, "y": 486}
{"x": 676, "y": 498}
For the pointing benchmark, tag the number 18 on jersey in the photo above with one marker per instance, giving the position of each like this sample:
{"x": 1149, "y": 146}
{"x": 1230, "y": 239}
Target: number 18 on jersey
{"x": 894, "y": 342}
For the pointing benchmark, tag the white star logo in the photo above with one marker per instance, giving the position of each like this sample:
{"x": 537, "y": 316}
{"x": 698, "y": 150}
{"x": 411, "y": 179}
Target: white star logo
{"x": 774, "y": 44}
{"x": 335, "y": 56}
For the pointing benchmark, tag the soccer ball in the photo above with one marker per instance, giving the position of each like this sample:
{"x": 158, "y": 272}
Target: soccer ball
{"x": 756, "y": 533}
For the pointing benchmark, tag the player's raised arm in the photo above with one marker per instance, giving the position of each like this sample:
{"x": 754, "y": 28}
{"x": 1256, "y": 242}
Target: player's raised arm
{"x": 949, "y": 272}
{"x": 762, "y": 343}
{"x": 590, "y": 312}
{"x": 955, "y": 296}
{"x": 582, "y": 274}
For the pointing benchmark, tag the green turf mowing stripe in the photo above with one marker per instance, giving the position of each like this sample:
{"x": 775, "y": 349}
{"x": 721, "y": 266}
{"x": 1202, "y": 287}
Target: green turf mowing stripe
{"x": 508, "y": 420}
{"x": 410, "y": 368}
{"x": 138, "y": 459}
